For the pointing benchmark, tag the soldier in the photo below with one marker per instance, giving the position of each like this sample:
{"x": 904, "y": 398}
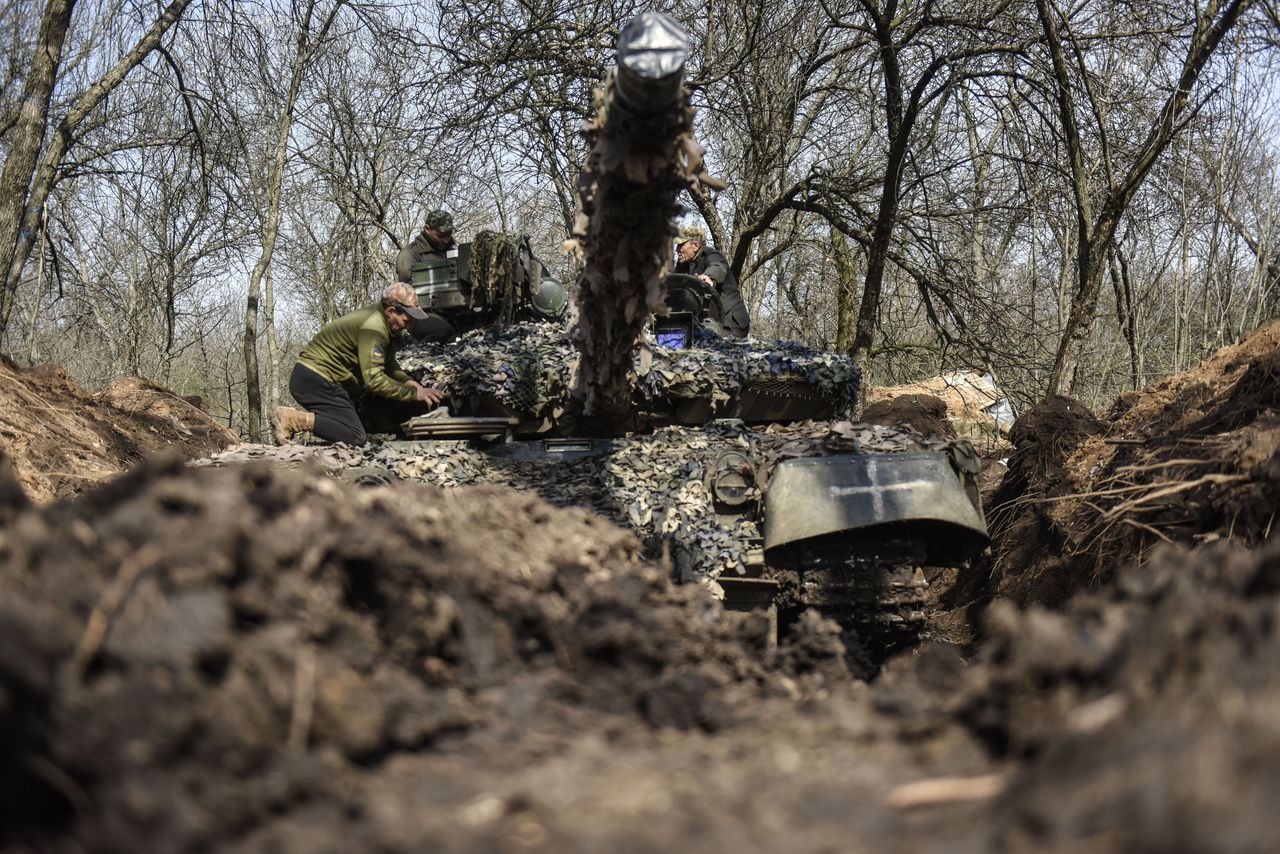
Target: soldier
{"x": 435, "y": 240}
{"x": 347, "y": 379}
{"x": 695, "y": 258}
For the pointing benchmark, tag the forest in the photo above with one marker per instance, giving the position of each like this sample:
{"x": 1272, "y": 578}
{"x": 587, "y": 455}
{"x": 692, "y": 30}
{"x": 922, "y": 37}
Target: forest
{"x": 1080, "y": 198}
{"x": 620, "y": 595}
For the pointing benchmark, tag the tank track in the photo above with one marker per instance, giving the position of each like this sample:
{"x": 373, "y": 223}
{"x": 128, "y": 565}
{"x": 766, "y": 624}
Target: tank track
{"x": 877, "y": 598}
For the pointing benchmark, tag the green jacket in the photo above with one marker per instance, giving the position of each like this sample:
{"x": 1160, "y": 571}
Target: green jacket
{"x": 356, "y": 352}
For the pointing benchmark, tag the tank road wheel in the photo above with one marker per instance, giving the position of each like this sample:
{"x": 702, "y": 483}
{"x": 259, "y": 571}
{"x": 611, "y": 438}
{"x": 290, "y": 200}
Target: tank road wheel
{"x": 369, "y": 476}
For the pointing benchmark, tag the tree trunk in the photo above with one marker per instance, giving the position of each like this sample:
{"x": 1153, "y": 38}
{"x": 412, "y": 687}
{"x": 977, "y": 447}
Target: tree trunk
{"x": 306, "y": 46}
{"x": 873, "y": 285}
{"x": 273, "y": 347}
{"x": 1127, "y": 313}
{"x": 32, "y": 352}
{"x": 1090, "y": 267}
{"x": 846, "y": 291}
{"x": 898, "y": 121}
{"x": 28, "y": 138}
{"x": 170, "y": 318}
{"x": 19, "y": 222}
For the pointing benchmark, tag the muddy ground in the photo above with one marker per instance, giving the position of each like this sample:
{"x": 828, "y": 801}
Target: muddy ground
{"x": 258, "y": 659}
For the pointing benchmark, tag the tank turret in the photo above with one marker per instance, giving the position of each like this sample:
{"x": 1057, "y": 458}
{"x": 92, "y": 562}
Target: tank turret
{"x": 494, "y": 279}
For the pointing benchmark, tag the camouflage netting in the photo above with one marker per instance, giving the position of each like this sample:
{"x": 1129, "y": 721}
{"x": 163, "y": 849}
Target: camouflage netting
{"x": 495, "y": 264}
{"x": 655, "y": 484}
{"x": 639, "y": 161}
{"x": 529, "y": 367}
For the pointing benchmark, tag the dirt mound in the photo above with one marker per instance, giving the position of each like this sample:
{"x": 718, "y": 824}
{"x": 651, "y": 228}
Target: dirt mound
{"x": 63, "y": 439}
{"x": 924, "y": 412}
{"x": 1030, "y": 547}
{"x": 137, "y": 395}
{"x": 223, "y": 644}
{"x": 1193, "y": 459}
{"x": 1137, "y": 717}
{"x": 1180, "y": 401}
{"x": 1147, "y": 714}
{"x": 971, "y": 402}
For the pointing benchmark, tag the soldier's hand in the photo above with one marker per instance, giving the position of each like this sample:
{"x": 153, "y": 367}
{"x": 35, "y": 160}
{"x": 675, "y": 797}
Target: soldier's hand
{"x": 429, "y": 395}
{"x": 706, "y": 279}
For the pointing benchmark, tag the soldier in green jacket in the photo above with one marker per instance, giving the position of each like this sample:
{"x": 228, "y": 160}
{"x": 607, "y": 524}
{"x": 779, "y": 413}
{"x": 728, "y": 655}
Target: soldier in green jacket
{"x": 347, "y": 380}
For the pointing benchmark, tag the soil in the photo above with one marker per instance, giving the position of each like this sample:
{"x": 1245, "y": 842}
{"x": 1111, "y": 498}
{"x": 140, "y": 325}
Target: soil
{"x": 265, "y": 659}
{"x": 1192, "y": 460}
{"x": 63, "y": 439}
{"x": 923, "y": 412}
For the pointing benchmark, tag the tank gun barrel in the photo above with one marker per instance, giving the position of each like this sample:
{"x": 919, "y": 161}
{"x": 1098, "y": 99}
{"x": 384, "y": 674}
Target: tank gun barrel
{"x": 652, "y": 51}
{"x": 642, "y": 155}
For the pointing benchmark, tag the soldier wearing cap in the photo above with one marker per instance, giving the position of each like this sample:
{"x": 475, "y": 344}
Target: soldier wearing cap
{"x": 347, "y": 380}
{"x": 695, "y": 258}
{"x": 434, "y": 241}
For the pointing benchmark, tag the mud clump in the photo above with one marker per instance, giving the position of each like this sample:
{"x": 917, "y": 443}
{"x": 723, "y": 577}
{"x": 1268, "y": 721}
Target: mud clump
{"x": 186, "y": 654}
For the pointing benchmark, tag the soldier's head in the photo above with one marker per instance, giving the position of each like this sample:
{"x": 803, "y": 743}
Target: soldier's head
{"x": 438, "y": 229}
{"x": 400, "y": 306}
{"x": 689, "y": 242}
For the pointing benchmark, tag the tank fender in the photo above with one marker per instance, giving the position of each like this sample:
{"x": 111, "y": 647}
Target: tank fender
{"x": 868, "y": 499}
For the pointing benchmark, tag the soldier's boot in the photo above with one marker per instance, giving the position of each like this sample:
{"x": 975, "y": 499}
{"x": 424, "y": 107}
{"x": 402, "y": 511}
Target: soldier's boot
{"x": 286, "y": 422}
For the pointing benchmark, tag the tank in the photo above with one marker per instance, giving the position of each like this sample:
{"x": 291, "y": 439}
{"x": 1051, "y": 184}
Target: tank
{"x": 741, "y": 459}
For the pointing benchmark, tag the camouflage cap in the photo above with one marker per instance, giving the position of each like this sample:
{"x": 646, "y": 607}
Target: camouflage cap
{"x": 403, "y": 297}
{"x": 691, "y": 232}
{"x": 440, "y": 221}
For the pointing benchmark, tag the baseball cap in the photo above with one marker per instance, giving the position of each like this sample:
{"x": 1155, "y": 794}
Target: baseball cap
{"x": 404, "y": 297}
{"x": 691, "y": 232}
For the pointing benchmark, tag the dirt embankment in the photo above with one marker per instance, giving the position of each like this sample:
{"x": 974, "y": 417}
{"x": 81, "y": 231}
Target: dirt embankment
{"x": 63, "y": 440}
{"x": 1191, "y": 460}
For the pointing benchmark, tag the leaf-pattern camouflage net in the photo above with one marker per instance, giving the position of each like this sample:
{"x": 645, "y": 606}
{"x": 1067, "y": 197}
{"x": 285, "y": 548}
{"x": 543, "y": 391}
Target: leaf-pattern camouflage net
{"x": 495, "y": 264}
{"x": 528, "y": 367}
{"x": 654, "y": 483}
{"x": 637, "y": 165}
